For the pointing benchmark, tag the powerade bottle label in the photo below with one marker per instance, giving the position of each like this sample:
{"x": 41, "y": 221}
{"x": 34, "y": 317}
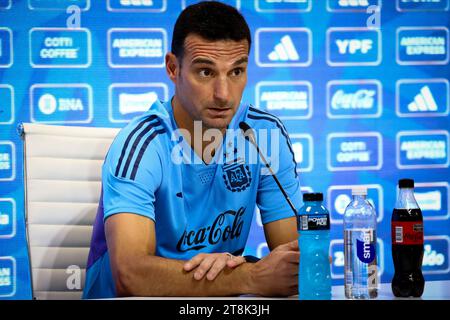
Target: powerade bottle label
{"x": 407, "y": 232}
{"x": 314, "y": 222}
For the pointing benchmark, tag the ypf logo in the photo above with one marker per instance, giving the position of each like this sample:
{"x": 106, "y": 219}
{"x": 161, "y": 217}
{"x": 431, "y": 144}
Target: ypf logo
{"x": 282, "y": 47}
{"x": 287, "y": 100}
{"x": 61, "y": 103}
{"x": 137, "y": 5}
{"x": 353, "y": 47}
{"x": 350, "y": 99}
{"x": 422, "y": 98}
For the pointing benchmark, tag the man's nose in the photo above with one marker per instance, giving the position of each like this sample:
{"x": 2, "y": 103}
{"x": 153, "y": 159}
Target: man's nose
{"x": 221, "y": 90}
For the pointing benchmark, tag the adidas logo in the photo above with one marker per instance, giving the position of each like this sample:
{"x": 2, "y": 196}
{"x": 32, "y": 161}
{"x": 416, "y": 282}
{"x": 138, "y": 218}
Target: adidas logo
{"x": 285, "y": 51}
{"x": 424, "y": 101}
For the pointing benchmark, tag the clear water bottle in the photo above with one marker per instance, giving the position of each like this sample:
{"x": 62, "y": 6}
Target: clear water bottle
{"x": 314, "y": 279}
{"x": 360, "y": 241}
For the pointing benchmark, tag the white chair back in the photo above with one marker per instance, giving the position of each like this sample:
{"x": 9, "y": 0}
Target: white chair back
{"x": 62, "y": 177}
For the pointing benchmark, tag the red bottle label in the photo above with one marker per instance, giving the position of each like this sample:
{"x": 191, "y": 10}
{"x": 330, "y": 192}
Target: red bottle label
{"x": 407, "y": 232}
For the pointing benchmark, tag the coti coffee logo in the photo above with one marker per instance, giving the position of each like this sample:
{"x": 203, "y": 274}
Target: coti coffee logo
{"x": 354, "y": 151}
{"x": 61, "y": 103}
{"x": 60, "y": 48}
{"x": 350, "y": 99}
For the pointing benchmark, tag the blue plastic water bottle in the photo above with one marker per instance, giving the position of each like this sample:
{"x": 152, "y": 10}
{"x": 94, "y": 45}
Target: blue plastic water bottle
{"x": 314, "y": 279}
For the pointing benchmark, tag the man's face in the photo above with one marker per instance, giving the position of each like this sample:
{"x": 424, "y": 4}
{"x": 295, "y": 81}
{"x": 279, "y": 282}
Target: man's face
{"x": 211, "y": 79}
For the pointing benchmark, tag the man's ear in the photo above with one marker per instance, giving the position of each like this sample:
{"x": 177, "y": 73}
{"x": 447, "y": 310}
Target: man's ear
{"x": 172, "y": 66}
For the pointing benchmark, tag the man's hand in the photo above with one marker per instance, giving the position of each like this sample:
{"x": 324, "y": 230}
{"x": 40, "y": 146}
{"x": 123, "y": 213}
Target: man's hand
{"x": 211, "y": 264}
{"x": 277, "y": 273}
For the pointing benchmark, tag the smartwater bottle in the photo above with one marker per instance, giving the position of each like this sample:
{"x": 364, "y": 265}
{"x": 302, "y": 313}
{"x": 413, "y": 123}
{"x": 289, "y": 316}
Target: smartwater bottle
{"x": 314, "y": 279}
{"x": 360, "y": 239}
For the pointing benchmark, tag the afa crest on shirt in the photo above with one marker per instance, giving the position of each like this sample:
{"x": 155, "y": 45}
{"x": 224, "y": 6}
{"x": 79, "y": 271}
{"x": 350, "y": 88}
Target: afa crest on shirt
{"x": 237, "y": 176}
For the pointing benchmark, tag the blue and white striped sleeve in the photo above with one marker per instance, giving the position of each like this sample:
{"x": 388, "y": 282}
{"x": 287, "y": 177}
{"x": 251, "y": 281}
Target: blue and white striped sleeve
{"x": 132, "y": 171}
{"x": 270, "y": 200}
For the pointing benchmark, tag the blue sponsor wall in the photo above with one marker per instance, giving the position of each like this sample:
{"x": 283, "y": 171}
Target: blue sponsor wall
{"x": 363, "y": 92}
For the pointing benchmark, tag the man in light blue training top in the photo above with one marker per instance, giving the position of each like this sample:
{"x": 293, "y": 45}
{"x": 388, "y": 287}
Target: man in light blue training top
{"x": 180, "y": 187}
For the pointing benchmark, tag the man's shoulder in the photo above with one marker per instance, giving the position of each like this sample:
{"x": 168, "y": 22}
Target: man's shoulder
{"x": 260, "y": 119}
{"x": 153, "y": 125}
{"x": 146, "y": 136}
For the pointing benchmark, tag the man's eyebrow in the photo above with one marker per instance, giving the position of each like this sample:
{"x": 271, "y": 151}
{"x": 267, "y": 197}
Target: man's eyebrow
{"x": 210, "y": 62}
{"x": 202, "y": 61}
{"x": 240, "y": 61}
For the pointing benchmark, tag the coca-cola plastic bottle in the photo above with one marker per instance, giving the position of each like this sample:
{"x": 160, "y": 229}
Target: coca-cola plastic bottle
{"x": 407, "y": 243}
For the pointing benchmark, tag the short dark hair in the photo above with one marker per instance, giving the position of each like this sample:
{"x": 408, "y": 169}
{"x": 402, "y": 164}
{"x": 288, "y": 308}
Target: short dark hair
{"x": 211, "y": 20}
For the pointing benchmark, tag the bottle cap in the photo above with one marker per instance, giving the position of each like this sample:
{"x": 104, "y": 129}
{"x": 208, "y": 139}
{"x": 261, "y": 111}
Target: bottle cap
{"x": 359, "y": 191}
{"x": 406, "y": 183}
{"x": 313, "y": 196}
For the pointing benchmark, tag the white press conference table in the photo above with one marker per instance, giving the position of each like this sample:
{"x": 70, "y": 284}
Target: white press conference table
{"x": 434, "y": 290}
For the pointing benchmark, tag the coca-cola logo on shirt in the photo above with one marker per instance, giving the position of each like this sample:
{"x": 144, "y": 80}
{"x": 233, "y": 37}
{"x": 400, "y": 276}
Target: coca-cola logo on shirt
{"x": 211, "y": 235}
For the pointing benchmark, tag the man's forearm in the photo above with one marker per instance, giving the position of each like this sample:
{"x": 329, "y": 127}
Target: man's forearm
{"x": 156, "y": 276}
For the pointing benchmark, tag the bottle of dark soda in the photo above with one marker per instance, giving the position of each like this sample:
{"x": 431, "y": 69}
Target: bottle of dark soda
{"x": 407, "y": 243}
